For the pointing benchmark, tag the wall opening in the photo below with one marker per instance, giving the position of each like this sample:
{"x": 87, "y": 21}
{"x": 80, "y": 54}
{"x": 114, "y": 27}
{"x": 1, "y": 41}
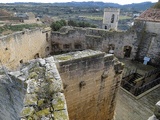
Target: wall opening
{"x": 66, "y": 46}
{"x": 78, "y": 46}
{"x": 47, "y": 39}
{"x": 127, "y": 51}
{"x": 47, "y": 49}
{"x": 111, "y": 48}
{"x": 21, "y": 61}
{"x": 105, "y": 27}
{"x": 112, "y": 18}
{"x": 36, "y": 56}
{"x": 55, "y": 46}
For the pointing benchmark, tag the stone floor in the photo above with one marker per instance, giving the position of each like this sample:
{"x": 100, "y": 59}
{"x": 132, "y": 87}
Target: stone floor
{"x": 130, "y": 108}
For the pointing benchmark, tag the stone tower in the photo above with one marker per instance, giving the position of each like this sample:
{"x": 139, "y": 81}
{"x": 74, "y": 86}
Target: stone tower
{"x": 110, "y": 18}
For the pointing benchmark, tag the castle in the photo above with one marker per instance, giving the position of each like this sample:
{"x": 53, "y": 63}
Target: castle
{"x": 83, "y": 83}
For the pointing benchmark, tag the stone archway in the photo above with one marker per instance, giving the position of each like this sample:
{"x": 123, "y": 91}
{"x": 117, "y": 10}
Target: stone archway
{"x": 127, "y": 51}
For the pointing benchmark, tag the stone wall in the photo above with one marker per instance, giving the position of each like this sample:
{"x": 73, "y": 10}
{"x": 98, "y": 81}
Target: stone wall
{"x": 101, "y": 40}
{"x": 68, "y": 40}
{"x": 12, "y": 94}
{"x": 149, "y": 41}
{"x": 22, "y": 46}
{"x": 153, "y": 27}
{"x": 136, "y": 43}
{"x": 91, "y": 80}
{"x": 37, "y": 93}
{"x": 96, "y": 39}
{"x": 110, "y": 18}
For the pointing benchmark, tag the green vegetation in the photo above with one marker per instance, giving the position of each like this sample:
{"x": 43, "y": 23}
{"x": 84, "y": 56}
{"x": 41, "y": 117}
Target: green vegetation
{"x": 67, "y": 57}
{"x": 80, "y": 24}
{"x": 157, "y": 5}
{"x": 14, "y": 28}
{"x": 58, "y": 25}
{"x": 122, "y": 17}
{"x": 94, "y": 17}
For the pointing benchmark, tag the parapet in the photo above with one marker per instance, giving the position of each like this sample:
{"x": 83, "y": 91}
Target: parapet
{"x": 111, "y": 10}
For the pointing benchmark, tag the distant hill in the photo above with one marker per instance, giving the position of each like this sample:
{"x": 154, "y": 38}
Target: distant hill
{"x": 139, "y": 6}
{"x": 134, "y": 6}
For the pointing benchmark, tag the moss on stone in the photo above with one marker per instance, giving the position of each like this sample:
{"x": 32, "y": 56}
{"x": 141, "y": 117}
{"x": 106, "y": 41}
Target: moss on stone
{"x": 59, "y": 104}
{"x": 67, "y": 57}
{"x": 60, "y": 115}
{"x": 27, "y": 111}
{"x": 43, "y": 112}
{"x": 33, "y": 75}
{"x": 40, "y": 102}
{"x": 30, "y": 99}
{"x": 39, "y": 70}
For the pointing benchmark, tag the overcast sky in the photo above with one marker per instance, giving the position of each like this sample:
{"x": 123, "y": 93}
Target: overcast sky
{"x": 52, "y": 1}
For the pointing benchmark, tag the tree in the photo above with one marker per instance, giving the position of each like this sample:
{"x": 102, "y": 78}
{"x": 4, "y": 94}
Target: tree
{"x": 58, "y": 25}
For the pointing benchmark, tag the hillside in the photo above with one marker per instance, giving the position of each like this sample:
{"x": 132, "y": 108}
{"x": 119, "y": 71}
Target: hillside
{"x": 134, "y": 6}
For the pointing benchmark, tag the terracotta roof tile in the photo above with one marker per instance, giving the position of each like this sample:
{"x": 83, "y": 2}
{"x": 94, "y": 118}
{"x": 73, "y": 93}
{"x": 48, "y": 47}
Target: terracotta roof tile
{"x": 150, "y": 15}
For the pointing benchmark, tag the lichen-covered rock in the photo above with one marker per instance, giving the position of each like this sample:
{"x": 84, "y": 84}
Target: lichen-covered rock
{"x": 61, "y": 115}
{"x": 58, "y": 101}
{"x": 30, "y": 99}
{"x": 31, "y": 85}
{"x": 27, "y": 111}
{"x": 44, "y": 99}
{"x": 42, "y": 61}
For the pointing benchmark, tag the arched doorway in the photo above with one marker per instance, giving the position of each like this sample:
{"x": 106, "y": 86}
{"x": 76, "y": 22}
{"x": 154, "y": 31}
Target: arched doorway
{"x": 127, "y": 51}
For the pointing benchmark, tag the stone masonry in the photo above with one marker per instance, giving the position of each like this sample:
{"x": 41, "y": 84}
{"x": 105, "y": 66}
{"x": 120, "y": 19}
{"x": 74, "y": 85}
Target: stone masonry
{"x": 44, "y": 98}
{"x": 91, "y": 80}
{"x": 20, "y": 47}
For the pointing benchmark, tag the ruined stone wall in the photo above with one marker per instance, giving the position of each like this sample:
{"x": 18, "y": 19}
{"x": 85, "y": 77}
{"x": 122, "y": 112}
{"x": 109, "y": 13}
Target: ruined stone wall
{"x": 101, "y": 40}
{"x": 149, "y": 42}
{"x": 91, "y": 80}
{"x": 12, "y": 94}
{"x": 33, "y": 93}
{"x": 97, "y": 39}
{"x": 142, "y": 41}
{"x": 71, "y": 39}
{"x": 22, "y": 46}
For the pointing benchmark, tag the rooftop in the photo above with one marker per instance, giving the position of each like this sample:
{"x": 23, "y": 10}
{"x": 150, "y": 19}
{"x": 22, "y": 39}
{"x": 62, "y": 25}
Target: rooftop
{"x": 152, "y": 14}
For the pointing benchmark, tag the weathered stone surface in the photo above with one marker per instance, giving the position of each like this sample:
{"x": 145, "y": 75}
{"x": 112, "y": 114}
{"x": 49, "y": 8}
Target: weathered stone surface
{"x": 30, "y": 99}
{"x": 58, "y": 101}
{"x": 20, "y": 48}
{"x": 42, "y": 62}
{"x": 44, "y": 86}
{"x": 27, "y": 111}
{"x": 157, "y": 110}
{"x": 90, "y": 84}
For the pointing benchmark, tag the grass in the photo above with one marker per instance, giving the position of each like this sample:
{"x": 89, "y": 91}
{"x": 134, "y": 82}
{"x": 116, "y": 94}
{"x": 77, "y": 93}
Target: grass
{"x": 124, "y": 17}
{"x": 101, "y": 17}
{"x": 94, "y": 17}
{"x": 15, "y": 28}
